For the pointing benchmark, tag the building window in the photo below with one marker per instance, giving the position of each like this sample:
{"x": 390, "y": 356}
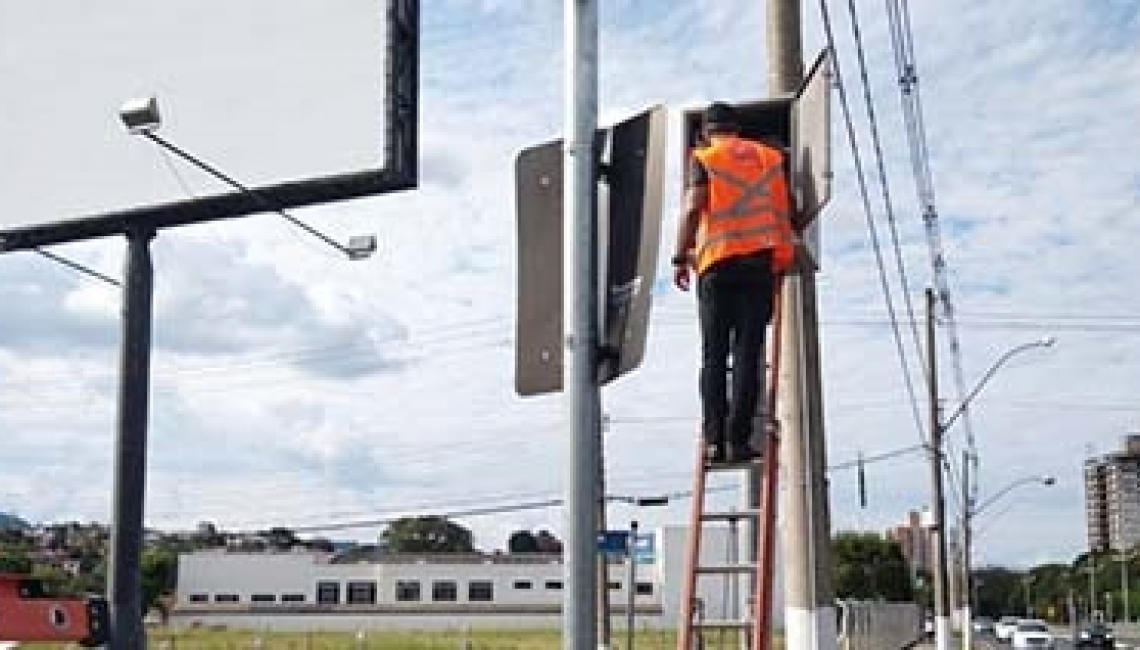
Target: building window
{"x": 444, "y": 591}
{"x": 225, "y": 598}
{"x": 645, "y": 589}
{"x": 263, "y": 598}
{"x": 554, "y": 584}
{"x": 523, "y": 584}
{"x": 480, "y": 591}
{"x": 613, "y": 584}
{"x": 292, "y": 598}
{"x": 361, "y": 593}
{"x": 407, "y": 591}
{"x": 328, "y": 593}
{"x": 199, "y": 598}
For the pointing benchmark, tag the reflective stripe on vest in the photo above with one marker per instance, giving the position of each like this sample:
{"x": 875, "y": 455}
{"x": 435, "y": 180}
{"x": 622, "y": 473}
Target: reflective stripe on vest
{"x": 748, "y": 206}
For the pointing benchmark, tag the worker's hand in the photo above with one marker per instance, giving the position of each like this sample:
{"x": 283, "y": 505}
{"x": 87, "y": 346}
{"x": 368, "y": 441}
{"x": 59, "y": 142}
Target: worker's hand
{"x": 681, "y": 276}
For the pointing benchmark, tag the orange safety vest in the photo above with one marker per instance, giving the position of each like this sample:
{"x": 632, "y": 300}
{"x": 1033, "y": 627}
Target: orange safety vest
{"x": 747, "y": 209}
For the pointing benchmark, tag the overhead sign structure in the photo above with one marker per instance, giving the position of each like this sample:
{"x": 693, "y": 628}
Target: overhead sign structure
{"x": 307, "y": 102}
{"x": 630, "y": 169}
{"x": 287, "y": 96}
{"x": 801, "y": 125}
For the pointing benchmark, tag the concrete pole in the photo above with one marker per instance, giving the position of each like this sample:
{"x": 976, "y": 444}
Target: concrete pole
{"x": 809, "y": 601}
{"x": 580, "y": 309}
{"x": 124, "y": 586}
{"x": 938, "y": 507}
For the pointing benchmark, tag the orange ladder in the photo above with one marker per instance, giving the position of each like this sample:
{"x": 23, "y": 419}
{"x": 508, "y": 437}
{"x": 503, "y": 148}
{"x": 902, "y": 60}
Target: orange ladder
{"x": 694, "y": 627}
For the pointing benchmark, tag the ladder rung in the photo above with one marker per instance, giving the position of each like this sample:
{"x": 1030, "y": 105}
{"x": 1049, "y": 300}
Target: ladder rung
{"x": 732, "y": 515}
{"x": 737, "y": 465}
{"x": 722, "y": 624}
{"x": 724, "y": 569}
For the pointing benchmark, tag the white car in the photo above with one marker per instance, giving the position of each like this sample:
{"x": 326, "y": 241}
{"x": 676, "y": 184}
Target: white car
{"x": 1003, "y": 629}
{"x": 1031, "y": 634}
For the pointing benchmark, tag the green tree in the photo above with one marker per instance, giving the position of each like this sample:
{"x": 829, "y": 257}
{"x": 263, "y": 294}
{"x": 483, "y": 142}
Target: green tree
{"x": 867, "y": 566}
{"x": 159, "y": 576}
{"x": 522, "y": 541}
{"x": 13, "y": 560}
{"x": 427, "y": 534}
{"x": 998, "y": 591}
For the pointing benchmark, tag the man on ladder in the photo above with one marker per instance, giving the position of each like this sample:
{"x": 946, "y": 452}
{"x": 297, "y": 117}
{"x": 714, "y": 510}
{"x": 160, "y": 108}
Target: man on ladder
{"x": 736, "y": 232}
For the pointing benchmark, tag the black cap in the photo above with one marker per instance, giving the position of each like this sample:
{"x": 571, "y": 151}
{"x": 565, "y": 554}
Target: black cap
{"x": 720, "y": 116}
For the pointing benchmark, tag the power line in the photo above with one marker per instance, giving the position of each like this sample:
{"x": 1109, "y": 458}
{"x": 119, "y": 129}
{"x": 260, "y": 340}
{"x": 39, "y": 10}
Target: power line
{"x": 902, "y": 42}
{"x": 876, "y": 458}
{"x": 866, "y": 203}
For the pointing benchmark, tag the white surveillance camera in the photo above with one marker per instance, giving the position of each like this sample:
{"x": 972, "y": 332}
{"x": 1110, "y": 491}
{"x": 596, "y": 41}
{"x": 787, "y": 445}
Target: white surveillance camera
{"x": 141, "y": 115}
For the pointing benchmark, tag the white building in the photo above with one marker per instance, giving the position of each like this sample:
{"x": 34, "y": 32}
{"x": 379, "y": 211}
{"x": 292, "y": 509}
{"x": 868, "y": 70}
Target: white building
{"x": 313, "y": 591}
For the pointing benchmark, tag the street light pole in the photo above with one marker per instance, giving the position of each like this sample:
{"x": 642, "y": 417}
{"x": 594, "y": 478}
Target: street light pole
{"x": 967, "y": 494}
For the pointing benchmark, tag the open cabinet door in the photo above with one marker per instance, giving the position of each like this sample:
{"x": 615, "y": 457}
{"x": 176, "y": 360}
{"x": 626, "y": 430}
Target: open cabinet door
{"x": 811, "y": 148}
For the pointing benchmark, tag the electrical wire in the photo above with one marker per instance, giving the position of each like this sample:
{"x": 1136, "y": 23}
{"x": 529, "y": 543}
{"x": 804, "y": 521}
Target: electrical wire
{"x": 864, "y": 193}
{"x": 902, "y": 42}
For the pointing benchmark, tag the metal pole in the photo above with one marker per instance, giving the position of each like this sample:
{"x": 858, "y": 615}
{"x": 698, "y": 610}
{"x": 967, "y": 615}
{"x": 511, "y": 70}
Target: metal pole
{"x": 580, "y": 323}
{"x": 967, "y": 578}
{"x": 124, "y": 586}
{"x": 941, "y": 593}
{"x": 631, "y": 589}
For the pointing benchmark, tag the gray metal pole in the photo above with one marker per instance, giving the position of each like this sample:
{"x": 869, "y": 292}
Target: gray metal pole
{"x": 631, "y": 588}
{"x": 941, "y": 591}
{"x": 967, "y": 578}
{"x": 580, "y": 323}
{"x": 124, "y": 586}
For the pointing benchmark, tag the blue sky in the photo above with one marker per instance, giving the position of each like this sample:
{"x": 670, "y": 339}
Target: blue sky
{"x": 292, "y": 387}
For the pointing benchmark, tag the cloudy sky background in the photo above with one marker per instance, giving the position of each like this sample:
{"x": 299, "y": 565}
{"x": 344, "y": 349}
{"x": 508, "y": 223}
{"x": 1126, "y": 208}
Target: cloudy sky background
{"x": 292, "y": 387}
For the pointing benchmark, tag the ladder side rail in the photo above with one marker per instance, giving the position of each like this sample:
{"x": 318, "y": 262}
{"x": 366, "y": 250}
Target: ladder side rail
{"x": 693, "y": 552}
{"x": 765, "y": 529}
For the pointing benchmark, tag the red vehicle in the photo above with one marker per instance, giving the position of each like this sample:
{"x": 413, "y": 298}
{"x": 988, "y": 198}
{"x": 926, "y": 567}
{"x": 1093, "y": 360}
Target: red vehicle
{"x": 28, "y": 613}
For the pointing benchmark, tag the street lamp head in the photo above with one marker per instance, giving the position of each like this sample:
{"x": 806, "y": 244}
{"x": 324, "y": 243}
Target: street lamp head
{"x": 1047, "y": 341}
{"x": 361, "y": 247}
{"x": 141, "y": 116}
{"x": 1048, "y": 480}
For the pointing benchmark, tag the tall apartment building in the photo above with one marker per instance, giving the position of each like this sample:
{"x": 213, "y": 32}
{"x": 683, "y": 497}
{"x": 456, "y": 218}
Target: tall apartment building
{"x": 1112, "y": 498}
{"x": 914, "y": 537}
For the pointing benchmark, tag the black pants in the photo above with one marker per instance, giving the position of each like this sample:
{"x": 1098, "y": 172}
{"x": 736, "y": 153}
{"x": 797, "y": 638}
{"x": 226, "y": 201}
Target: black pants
{"x": 735, "y": 298}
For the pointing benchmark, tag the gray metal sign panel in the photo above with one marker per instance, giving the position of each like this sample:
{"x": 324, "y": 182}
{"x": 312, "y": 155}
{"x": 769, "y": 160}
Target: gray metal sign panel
{"x": 811, "y": 139}
{"x": 811, "y": 171}
{"x": 630, "y": 180}
{"x": 538, "y": 320}
{"x": 302, "y": 102}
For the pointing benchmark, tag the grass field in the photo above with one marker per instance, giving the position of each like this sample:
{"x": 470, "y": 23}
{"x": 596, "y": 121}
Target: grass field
{"x": 226, "y": 639}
